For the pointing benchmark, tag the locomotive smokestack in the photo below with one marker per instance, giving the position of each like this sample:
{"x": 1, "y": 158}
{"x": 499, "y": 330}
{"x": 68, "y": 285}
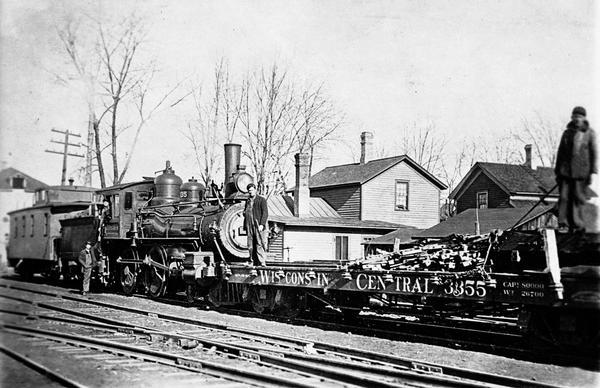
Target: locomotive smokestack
{"x": 528, "y": 155}
{"x": 366, "y": 147}
{"x": 232, "y": 160}
{"x": 301, "y": 191}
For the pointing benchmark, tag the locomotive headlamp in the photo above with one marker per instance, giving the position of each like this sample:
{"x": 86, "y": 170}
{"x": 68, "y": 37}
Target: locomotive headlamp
{"x": 242, "y": 180}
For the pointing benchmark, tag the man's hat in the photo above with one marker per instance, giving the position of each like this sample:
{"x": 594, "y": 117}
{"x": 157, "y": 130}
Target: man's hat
{"x": 88, "y": 243}
{"x": 250, "y": 185}
{"x": 578, "y": 110}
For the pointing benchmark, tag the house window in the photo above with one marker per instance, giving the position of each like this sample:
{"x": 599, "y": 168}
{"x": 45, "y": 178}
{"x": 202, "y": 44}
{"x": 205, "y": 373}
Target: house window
{"x": 16, "y": 227}
{"x": 18, "y": 182}
{"x": 32, "y": 224}
{"x": 482, "y": 200}
{"x": 401, "y": 195}
{"x": 341, "y": 247}
{"x": 46, "y": 224}
{"x": 24, "y": 226}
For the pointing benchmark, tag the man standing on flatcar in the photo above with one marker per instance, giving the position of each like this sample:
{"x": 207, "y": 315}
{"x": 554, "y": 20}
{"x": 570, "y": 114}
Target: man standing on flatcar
{"x": 576, "y": 161}
{"x": 256, "y": 214}
{"x": 87, "y": 260}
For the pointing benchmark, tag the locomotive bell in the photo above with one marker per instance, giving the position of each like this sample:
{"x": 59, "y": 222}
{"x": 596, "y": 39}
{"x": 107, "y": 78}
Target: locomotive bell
{"x": 168, "y": 187}
{"x": 192, "y": 191}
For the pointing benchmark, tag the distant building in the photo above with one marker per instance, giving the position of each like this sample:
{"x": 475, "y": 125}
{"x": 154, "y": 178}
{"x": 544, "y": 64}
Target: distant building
{"x": 310, "y": 229}
{"x": 17, "y": 190}
{"x": 492, "y": 219}
{"x": 501, "y": 185}
{"x": 394, "y": 189}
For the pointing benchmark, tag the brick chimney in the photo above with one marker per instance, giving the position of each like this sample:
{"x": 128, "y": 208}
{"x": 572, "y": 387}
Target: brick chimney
{"x": 301, "y": 191}
{"x": 528, "y": 155}
{"x": 366, "y": 147}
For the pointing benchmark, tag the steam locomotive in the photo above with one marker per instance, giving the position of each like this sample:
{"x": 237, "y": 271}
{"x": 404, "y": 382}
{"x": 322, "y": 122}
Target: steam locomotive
{"x": 152, "y": 232}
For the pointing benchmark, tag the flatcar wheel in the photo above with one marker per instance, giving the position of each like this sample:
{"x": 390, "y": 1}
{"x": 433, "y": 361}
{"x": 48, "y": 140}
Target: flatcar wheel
{"x": 261, "y": 299}
{"x": 288, "y": 303}
{"x": 156, "y": 277}
{"x": 128, "y": 271}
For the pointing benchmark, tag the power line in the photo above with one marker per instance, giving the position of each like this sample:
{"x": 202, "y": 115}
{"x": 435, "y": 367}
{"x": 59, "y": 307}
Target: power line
{"x": 65, "y": 151}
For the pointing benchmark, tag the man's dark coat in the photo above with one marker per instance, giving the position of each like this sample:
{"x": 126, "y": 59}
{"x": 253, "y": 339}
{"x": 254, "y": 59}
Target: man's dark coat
{"x": 260, "y": 211}
{"x": 577, "y": 154}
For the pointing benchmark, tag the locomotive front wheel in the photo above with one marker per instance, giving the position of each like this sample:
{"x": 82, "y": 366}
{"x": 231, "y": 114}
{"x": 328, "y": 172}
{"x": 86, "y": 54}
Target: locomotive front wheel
{"x": 128, "y": 271}
{"x": 156, "y": 277}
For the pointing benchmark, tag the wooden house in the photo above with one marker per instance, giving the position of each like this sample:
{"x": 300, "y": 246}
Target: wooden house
{"x": 394, "y": 189}
{"x": 306, "y": 228}
{"x": 501, "y": 185}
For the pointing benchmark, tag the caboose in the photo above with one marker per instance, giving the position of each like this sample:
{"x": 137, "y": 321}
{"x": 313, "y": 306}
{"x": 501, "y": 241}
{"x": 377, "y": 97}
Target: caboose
{"x": 35, "y": 232}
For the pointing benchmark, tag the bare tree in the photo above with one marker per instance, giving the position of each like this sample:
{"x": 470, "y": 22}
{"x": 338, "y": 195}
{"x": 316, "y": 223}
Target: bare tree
{"x": 278, "y": 119}
{"x": 116, "y": 81}
{"x": 203, "y": 131}
{"x": 425, "y": 145}
{"x": 542, "y": 135}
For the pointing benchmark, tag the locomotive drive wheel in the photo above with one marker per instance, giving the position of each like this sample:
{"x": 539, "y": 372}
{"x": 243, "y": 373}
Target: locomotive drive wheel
{"x": 128, "y": 271}
{"x": 155, "y": 277}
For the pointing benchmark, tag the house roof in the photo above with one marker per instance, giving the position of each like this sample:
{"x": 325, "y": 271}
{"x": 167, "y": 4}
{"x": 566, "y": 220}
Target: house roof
{"x": 356, "y": 173}
{"x": 489, "y": 220}
{"x": 512, "y": 178}
{"x": 283, "y": 205}
{"x": 403, "y": 233}
{"x": 31, "y": 184}
{"x": 281, "y": 209}
{"x": 333, "y": 222}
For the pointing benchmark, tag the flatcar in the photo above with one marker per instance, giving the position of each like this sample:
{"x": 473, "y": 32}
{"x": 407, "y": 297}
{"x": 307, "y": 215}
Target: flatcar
{"x": 35, "y": 232}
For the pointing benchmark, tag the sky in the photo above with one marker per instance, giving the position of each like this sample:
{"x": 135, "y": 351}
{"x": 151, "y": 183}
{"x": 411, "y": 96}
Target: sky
{"x": 472, "y": 68}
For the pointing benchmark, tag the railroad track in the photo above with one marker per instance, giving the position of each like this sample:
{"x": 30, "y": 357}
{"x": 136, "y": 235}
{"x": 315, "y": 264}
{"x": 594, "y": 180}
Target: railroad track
{"x": 310, "y": 360}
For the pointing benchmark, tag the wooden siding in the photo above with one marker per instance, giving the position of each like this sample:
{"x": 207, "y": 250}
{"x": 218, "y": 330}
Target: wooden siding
{"x": 496, "y": 196}
{"x": 319, "y": 244}
{"x": 344, "y": 199}
{"x": 378, "y": 198}
{"x": 275, "y": 251}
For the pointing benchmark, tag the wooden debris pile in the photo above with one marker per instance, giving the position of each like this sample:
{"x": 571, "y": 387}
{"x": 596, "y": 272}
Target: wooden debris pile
{"x": 455, "y": 253}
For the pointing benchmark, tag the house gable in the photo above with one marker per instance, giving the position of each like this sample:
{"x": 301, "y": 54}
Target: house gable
{"x": 378, "y": 198}
{"x": 481, "y": 182}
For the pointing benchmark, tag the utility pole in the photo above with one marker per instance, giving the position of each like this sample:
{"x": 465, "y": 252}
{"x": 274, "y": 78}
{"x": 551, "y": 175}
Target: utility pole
{"x": 65, "y": 151}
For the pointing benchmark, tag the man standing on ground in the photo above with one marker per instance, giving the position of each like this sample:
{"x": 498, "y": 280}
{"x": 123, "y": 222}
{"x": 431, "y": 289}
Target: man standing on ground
{"x": 575, "y": 163}
{"x": 87, "y": 260}
{"x": 256, "y": 214}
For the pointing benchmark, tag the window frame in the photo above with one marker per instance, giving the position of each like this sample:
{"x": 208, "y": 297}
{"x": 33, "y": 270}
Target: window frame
{"x": 487, "y": 199}
{"x": 46, "y": 224}
{"x": 32, "y": 225}
{"x": 342, "y": 247}
{"x": 396, "y": 182}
